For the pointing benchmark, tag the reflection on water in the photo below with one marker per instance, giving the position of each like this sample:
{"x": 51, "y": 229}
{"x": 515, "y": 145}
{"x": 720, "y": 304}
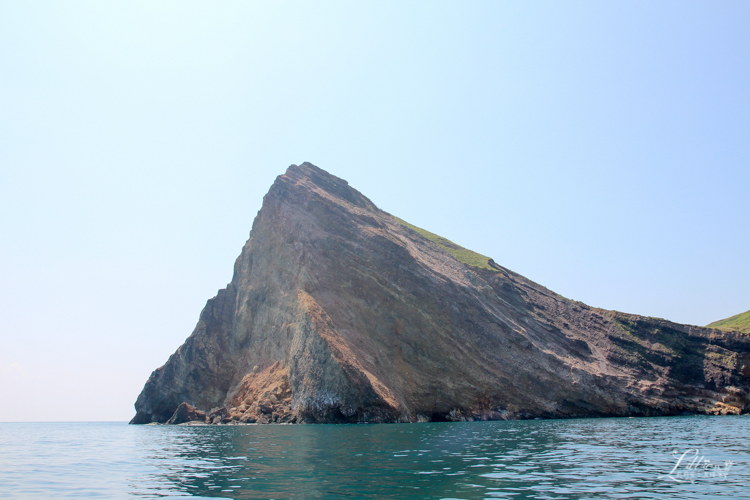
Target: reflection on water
{"x": 543, "y": 459}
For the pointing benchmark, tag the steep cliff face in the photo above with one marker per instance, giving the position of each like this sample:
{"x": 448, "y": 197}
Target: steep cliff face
{"x": 340, "y": 312}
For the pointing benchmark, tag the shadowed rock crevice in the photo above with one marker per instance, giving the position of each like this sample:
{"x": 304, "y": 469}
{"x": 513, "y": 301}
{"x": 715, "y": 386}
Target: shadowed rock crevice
{"x": 340, "y": 312}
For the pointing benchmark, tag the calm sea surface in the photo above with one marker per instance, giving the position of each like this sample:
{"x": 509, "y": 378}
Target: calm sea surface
{"x": 681, "y": 458}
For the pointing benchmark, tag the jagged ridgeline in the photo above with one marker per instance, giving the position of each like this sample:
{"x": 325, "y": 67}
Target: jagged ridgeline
{"x": 340, "y": 312}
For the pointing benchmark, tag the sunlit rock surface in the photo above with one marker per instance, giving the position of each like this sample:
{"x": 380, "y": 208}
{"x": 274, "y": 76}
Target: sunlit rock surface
{"x": 339, "y": 312}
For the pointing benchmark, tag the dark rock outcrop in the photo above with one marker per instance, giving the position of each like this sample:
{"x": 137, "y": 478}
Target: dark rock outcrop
{"x": 339, "y": 312}
{"x": 186, "y": 413}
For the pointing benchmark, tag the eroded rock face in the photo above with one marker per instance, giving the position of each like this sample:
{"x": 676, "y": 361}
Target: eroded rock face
{"x": 186, "y": 413}
{"x": 339, "y": 313}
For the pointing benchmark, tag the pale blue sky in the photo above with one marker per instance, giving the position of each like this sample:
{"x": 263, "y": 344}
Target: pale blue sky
{"x": 599, "y": 148}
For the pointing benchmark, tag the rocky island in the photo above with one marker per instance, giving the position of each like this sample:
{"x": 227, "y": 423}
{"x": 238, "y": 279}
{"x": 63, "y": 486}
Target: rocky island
{"x": 340, "y": 312}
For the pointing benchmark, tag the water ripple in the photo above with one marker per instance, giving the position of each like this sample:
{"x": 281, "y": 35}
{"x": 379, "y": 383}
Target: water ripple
{"x": 559, "y": 459}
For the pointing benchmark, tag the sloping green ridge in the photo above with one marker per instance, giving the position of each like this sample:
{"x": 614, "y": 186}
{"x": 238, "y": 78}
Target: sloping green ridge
{"x": 460, "y": 253}
{"x": 738, "y": 323}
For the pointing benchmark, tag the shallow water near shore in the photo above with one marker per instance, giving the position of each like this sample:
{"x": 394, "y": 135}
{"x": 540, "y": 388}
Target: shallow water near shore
{"x": 678, "y": 457}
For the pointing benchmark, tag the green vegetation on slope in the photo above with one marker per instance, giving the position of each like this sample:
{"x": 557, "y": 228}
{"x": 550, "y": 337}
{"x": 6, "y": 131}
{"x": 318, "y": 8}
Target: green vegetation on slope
{"x": 460, "y": 253}
{"x": 738, "y": 323}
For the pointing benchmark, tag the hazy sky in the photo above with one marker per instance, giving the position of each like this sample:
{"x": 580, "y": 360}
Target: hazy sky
{"x": 601, "y": 149}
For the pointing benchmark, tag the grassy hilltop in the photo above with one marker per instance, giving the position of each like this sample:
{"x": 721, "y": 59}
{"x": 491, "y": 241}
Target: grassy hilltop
{"x": 738, "y": 323}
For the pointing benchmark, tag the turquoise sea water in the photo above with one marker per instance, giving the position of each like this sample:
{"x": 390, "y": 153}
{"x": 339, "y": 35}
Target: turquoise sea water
{"x": 541, "y": 459}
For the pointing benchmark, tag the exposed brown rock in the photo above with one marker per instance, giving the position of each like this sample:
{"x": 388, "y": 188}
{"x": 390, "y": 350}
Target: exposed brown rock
{"x": 339, "y": 313}
{"x": 187, "y": 413}
{"x": 219, "y": 416}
